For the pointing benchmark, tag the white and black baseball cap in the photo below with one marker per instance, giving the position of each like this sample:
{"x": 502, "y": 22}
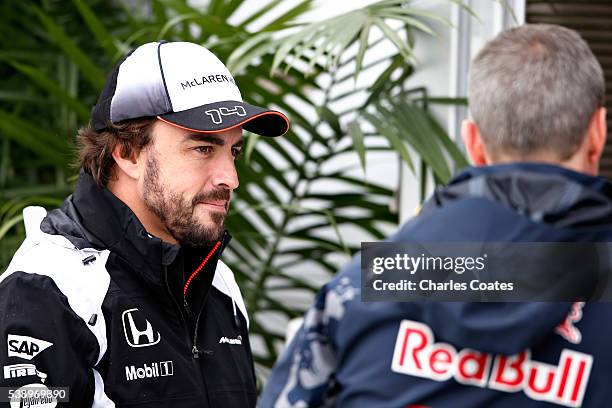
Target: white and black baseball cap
{"x": 184, "y": 85}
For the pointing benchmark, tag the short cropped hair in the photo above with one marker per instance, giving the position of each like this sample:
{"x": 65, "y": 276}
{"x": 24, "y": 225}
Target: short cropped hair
{"x": 95, "y": 149}
{"x": 534, "y": 89}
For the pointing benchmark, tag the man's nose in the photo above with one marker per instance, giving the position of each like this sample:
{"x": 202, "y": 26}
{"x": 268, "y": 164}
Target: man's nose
{"x": 225, "y": 174}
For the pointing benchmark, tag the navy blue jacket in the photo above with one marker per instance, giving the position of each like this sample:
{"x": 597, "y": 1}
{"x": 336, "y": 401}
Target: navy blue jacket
{"x": 350, "y": 353}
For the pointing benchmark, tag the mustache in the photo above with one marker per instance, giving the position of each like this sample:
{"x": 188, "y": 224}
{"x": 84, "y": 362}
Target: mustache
{"x": 213, "y": 195}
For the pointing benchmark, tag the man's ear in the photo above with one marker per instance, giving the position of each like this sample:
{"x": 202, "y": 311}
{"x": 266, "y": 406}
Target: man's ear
{"x": 596, "y": 137}
{"x": 130, "y": 166}
{"x": 473, "y": 143}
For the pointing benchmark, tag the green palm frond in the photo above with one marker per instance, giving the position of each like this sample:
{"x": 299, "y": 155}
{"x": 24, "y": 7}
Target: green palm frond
{"x": 324, "y": 43}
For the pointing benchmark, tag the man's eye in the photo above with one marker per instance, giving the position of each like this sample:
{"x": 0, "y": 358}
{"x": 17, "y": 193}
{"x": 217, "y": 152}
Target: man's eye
{"x": 236, "y": 152}
{"x": 203, "y": 149}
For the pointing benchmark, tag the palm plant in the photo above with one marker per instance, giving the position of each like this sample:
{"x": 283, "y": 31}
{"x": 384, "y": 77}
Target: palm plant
{"x": 295, "y": 211}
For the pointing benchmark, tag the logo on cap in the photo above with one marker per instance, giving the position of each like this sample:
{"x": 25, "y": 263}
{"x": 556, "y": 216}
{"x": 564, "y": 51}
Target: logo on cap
{"x": 217, "y": 114}
{"x": 208, "y": 79}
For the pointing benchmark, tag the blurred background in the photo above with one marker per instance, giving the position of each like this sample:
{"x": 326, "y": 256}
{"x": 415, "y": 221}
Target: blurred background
{"x": 375, "y": 90}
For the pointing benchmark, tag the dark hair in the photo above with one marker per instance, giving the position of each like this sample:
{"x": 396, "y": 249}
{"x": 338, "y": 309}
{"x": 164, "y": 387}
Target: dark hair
{"x": 95, "y": 149}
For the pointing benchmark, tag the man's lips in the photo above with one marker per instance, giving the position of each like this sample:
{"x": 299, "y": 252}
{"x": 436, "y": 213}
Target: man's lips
{"x": 220, "y": 205}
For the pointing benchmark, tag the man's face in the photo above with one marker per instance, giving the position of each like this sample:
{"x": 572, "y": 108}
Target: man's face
{"x": 187, "y": 181}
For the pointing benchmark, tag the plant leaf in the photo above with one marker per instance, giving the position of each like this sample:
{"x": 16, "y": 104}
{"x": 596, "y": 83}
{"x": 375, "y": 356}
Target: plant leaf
{"x": 358, "y": 142}
{"x": 54, "y": 89}
{"x": 88, "y": 68}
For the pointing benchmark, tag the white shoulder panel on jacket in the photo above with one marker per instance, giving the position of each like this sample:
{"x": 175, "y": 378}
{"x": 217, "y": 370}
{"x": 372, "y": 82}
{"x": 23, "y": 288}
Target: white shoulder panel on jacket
{"x": 84, "y": 284}
{"x": 225, "y": 282}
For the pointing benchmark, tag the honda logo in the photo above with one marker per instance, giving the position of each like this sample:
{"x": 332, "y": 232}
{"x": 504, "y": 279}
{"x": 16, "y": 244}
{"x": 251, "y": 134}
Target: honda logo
{"x": 217, "y": 114}
{"x": 139, "y": 334}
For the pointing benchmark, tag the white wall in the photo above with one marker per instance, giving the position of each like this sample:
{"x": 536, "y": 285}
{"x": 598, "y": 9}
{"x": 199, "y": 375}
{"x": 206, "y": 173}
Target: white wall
{"x": 446, "y": 64}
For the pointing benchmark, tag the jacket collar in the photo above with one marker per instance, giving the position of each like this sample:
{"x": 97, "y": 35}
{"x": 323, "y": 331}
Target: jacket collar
{"x": 103, "y": 221}
{"x": 539, "y": 191}
{"x": 596, "y": 183}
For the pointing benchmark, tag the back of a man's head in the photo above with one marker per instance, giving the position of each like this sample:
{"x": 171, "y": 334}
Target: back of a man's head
{"x": 534, "y": 90}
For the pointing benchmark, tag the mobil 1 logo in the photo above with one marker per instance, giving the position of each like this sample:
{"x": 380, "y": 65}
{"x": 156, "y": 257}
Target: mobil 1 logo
{"x": 152, "y": 370}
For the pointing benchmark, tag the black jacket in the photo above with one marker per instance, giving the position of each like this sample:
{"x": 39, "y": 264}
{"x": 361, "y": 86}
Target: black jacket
{"x": 92, "y": 302}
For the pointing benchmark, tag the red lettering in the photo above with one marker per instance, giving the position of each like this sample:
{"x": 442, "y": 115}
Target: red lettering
{"x": 440, "y": 361}
{"x": 473, "y": 367}
{"x": 508, "y": 377}
{"x": 581, "y": 369}
{"x": 566, "y": 362}
{"x": 536, "y": 371}
{"x": 585, "y": 362}
{"x": 565, "y": 384}
{"x": 416, "y": 349}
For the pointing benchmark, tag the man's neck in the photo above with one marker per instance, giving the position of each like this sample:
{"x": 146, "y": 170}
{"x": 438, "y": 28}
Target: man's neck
{"x": 574, "y": 163}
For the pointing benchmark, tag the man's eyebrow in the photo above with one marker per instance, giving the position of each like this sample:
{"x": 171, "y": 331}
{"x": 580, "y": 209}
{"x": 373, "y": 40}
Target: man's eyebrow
{"x": 216, "y": 140}
{"x": 202, "y": 137}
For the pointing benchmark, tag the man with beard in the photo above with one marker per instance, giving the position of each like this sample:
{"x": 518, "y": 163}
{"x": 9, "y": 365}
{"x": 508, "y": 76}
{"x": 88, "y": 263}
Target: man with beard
{"x": 120, "y": 295}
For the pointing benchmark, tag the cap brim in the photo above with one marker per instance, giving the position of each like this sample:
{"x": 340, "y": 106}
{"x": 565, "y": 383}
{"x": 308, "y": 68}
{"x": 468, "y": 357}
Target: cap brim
{"x": 225, "y": 115}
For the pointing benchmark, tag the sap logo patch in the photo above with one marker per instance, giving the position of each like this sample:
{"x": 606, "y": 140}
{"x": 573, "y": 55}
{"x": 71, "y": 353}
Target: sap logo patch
{"x": 23, "y": 370}
{"x": 138, "y": 330}
{"x": 25, "y": 347}
{"x": 417, "y": 354}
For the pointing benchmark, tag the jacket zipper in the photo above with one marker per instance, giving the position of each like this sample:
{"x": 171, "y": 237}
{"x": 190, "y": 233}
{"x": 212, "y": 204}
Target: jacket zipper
{"x": 188, "y": 337}
{"x": 220, "y": 245}
{"x": 194, "y": 351}
{"x": 194, "y": 348}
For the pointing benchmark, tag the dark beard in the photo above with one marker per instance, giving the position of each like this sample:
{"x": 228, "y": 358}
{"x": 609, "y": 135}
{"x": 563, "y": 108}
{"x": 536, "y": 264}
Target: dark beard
{"x": 176, "y": 213}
